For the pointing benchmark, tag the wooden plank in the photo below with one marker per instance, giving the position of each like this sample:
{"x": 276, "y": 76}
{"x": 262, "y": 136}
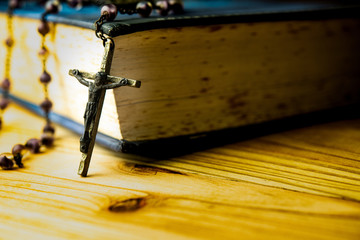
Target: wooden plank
{"x": 301, "y": 184}
{"x": 299, "y": 160}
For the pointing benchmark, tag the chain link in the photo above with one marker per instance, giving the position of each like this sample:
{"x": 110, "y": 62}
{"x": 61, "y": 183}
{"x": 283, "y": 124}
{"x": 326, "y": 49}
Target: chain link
{"x": 129, "y": 11}
{"x": 98, "y": 31}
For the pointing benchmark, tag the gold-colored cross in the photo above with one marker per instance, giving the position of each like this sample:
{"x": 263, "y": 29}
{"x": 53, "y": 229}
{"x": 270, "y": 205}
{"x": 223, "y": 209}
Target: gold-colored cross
{"x": 97, "y": 88}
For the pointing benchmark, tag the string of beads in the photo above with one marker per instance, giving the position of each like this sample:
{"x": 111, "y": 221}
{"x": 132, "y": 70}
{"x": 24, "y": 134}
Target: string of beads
{"x": 143, "y": 8}
{"x": 6, "y": 82}
{"x": 47, "y": 138}
{"x": 34, "y": 145}
{"x": 108, "y": 13}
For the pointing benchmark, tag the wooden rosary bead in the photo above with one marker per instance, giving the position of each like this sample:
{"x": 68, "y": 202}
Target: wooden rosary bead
{"x": 17, "y": 152}
{"x": 33, "y": 145}
{"x": 18, "y": 148}
{"x": 47, "y": 139}
{"x": 5, "y": 84}
{"x": 74, "y": 3}
{"x": 45, "y": 78}
{"x": 49, "y": 129}
{"x": 109, "y": 11}
{"x": 162, "y": 7}
{"x": 14, "y": 4}
{"x": 52, "y": 6}
{"x": 43, "y": 28}
{"x": 46, "y": 105}
{"x": 144, "y": 8}
{"x": 176, "y": 6}
{"x": 4, "y": 102}
{"x": 9, "y": 42}
{"x": 6, "y": 163}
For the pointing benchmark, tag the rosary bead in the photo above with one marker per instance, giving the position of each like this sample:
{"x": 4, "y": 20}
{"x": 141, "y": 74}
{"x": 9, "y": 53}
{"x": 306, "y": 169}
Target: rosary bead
{"x": 144, "y": 8}
{"x": 14, "y": 4}
{"x": 18, "y": 148}
{"x": 43, "y": 28}
{"x": 6, "y": 163}
{"x": 9, "y": 42}
{"x": 52, "y": 6}
{"x": 5, "y": 84}
{"x": 45, "y": 77}
{"x": 47, "y": 139}
{"x": 17, "y": 152}
{"x": 4, "y": 102}
{"x": 162, "y": 7}
{"x": 46, "y": 105}
{"x": 33, "y": 145}
{"x": 110, "y": 11}
{"x": 48, "y": 129}
{"x": 75, "y": 3}
{"x": 176, "y": 6}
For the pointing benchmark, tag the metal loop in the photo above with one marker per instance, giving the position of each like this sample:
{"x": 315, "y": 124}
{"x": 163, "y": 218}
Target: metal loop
{"x": 111, "y": 40}
{"x": 98, "y": 31}
{"x": 99, "y": 22}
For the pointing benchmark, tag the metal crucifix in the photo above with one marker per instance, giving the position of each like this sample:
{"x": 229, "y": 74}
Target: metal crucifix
{"x": 97, "y": 88}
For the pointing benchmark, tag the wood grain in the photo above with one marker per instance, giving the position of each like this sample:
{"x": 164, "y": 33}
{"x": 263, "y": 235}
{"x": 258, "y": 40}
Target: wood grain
{"x": 301, "y": 184}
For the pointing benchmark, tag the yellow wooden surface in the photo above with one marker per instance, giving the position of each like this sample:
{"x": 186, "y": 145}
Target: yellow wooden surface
{"x": 300, "y": 184}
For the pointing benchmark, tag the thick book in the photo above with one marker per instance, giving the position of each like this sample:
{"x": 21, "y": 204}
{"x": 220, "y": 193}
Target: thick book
{"x": 219, "y": 66}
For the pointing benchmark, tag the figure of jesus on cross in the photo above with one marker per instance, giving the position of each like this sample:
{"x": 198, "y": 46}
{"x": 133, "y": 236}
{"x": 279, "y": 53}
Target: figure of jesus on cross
{"x": 97, "y": 88}
{"x": 94, "y": 95}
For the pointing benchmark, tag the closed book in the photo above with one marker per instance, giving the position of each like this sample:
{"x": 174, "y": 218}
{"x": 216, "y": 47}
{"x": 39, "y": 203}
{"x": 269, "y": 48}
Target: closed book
{"x": 220, "y": 66}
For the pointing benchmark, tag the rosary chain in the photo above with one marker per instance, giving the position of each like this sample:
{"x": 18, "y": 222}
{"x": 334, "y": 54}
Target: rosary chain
{"x": 98, "y": 31}
{"x": 5, "y": 84}
{"x": 33, "y": 145}
{"x": 128, "y": 11}
{"x": 9, "y": 45}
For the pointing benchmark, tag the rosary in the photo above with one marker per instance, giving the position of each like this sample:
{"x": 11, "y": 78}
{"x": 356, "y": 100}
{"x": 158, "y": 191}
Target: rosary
{"x": 33, "y": 145}
{"x": 97, "y": 85}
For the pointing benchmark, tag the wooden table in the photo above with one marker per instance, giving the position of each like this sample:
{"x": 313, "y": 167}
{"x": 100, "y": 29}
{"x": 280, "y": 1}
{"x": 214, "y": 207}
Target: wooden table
{"x": 300, "y": 184}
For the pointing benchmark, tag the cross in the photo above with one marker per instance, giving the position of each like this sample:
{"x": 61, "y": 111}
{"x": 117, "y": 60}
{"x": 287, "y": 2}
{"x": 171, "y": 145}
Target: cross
{"x": 97, "y": 88}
